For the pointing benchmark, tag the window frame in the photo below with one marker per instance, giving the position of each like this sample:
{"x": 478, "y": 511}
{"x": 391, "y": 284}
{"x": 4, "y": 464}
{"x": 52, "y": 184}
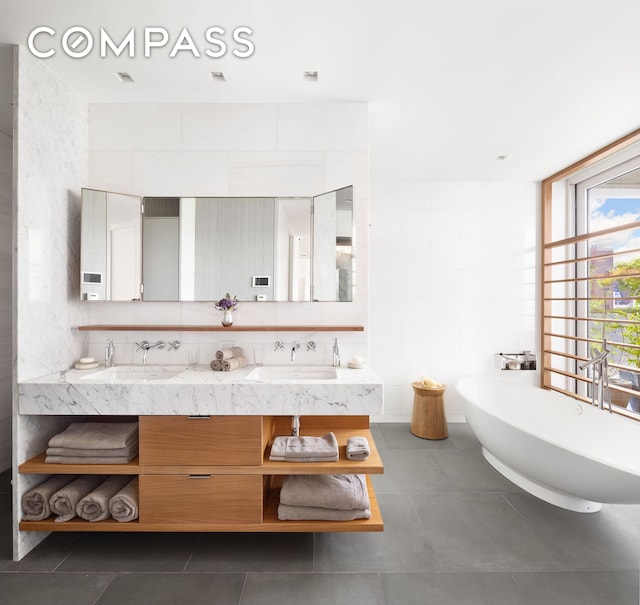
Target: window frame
{"x": 560, "y": 199}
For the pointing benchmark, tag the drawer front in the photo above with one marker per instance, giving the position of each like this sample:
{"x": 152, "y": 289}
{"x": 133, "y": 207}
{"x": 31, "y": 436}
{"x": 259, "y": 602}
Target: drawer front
{"x": 201, "y": 440}
{"x": 224, "y": 499}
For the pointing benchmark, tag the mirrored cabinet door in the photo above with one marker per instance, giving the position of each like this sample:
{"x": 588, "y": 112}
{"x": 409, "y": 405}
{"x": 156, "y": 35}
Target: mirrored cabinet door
{"x": 111, "y": 246}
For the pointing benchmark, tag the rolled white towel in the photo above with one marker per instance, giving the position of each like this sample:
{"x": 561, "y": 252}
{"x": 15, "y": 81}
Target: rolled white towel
{"x": 95, "y": 505}
{"x": 124, "y": 505}
{"x": 35, "y": 502}
{"x": 234, "y": 363}
{"x": 63, "y": 503}
{"x": 223, "y": 354}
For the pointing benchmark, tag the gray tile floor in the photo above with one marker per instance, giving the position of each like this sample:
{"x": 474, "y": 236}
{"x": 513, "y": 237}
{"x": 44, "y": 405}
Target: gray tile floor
{"x": 456, "y": 532}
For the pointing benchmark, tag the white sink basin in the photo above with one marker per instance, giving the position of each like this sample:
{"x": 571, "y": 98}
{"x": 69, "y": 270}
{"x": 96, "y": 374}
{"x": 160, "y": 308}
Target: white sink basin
{"x": 292, "y": 373}
{"x": 136, "y": 373}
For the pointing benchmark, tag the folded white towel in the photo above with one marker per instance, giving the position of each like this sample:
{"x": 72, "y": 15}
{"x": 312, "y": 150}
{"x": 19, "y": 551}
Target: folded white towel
{"x": 310, "y": 513}
{"x": 124, "y": 505}
{"x": 305, "y": 449}
{"x": 99, "y": 435}
{"x": 90, "y": 459}
{"x": 341, "y": 492}
{"x": 63, "y": 503}
{"x": 358, "y": 448}
{"x": 93, "y": 452}
{"x": 35, "y": 502}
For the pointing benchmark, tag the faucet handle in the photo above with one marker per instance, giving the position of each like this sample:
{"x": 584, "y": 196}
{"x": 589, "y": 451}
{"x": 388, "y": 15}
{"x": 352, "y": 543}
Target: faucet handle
{"x": 144, "y": 345}
{"x": 278, "y": 345}
{"x": 174, "y": 344}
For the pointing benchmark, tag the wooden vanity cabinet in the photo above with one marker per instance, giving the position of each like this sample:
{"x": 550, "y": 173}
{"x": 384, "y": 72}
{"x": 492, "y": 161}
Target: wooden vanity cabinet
{"x": 212, "y": 473}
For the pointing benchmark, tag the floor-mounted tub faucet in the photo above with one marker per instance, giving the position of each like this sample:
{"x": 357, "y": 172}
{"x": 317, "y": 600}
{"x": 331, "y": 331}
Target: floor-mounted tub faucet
{"x": 600, "y": 381}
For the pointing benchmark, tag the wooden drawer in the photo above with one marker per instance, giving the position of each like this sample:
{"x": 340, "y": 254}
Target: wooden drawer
{"x": 201, "y": 440}
{"x": 201, "y": 499}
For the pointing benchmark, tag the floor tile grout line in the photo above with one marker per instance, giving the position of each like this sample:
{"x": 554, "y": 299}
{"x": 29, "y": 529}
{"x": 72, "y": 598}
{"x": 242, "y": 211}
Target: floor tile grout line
{"x": 193, "y": 552}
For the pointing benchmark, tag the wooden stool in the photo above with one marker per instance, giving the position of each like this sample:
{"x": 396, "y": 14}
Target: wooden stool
{"x": 428, "y": 419}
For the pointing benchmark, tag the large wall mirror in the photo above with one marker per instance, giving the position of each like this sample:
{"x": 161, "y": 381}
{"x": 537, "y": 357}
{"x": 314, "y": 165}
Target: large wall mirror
{"x": 199, "y": 248}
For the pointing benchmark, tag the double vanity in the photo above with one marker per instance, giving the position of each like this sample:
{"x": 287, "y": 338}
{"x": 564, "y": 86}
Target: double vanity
{"x": 204, "y": 439}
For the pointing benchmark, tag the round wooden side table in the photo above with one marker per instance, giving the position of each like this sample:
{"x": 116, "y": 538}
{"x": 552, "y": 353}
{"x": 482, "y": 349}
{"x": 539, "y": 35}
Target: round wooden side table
{"x": 428, "y": 419}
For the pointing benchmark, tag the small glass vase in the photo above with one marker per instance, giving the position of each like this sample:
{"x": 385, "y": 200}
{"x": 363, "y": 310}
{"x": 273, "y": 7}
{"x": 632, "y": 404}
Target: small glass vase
{"x": 227, "y": 318}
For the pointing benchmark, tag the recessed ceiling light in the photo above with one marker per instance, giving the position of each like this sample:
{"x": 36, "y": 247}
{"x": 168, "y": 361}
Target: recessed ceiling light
{"x": 217, "y": 76}
{"x": 311, "y": 76}
{"x": 502, "y": 157}
{"x": 123, "y": 76}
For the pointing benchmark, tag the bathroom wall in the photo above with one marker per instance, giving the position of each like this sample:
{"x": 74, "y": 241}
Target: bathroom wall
{"x": 453, "y": 281}
{"x": 234, "y": 150}
{"x": 6, "y": 244}
{"x": 52, "y": 134}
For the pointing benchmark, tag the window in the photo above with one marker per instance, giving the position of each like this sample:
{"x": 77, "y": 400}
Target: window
{"x": 591, "y": 274}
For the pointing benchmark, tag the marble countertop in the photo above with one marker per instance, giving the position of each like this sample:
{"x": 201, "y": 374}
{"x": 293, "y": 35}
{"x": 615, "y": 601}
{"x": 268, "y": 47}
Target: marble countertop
{"x": 198, "y": 390}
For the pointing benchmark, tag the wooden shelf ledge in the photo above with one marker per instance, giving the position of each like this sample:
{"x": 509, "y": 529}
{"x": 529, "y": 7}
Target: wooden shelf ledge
{"x": 216, "y": 328}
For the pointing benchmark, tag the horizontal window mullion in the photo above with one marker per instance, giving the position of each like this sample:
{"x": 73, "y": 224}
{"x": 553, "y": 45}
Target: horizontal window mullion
{"x": 592, "y": 235}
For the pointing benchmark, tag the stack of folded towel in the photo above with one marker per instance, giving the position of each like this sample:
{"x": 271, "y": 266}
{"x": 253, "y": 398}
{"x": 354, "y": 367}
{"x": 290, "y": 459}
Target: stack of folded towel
{"x": 91, "y": 497}
{"x": 324, "y": 497}
{"x": 94, "y": 443}
{"x": 229, "y": 359}
{"x": 305, "y": 449}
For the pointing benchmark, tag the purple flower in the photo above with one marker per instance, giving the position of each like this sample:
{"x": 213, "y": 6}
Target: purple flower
{"x": 227, "y": 302}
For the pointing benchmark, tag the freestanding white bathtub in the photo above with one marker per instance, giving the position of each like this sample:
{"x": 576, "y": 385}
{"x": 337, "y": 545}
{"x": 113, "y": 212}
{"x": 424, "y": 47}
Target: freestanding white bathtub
{"x": 561, "y": 450}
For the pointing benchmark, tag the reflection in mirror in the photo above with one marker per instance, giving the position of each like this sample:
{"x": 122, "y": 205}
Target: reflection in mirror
{"x": 110, "y": 246}
{"x": 197, "y": 249}
{"x": 333, "y": 246}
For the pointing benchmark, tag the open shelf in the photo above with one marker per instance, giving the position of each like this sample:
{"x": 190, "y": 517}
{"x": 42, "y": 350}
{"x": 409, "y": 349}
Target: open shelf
{"x": 270, "y": 522}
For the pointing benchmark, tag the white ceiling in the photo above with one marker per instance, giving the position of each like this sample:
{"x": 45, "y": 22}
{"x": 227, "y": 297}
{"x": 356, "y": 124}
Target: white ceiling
{"x": 451, "y": 85}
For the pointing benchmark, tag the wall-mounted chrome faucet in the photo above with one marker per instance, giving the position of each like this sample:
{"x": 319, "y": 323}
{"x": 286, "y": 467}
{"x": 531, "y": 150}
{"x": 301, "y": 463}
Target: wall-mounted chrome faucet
{"x": 294, "y": 347}
{"x": 145, "y": 345}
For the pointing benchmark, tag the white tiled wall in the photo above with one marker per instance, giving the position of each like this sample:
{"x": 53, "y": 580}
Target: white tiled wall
{"x": 453, "y": 281}
{"x": 234, "y": 150}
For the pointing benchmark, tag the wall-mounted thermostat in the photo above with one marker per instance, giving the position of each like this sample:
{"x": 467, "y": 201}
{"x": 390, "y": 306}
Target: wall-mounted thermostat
{"x": 260, "y": 281}
{"x": 91, "y": 278}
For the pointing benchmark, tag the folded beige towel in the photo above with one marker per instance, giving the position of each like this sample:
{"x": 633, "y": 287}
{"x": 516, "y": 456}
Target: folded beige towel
{"x": 35, "y": 502}
{"x": 342, "y": 492}
{"x": 228, "y": 353}
{"x": 89, "y": 459}
{"x": 305, "y": 449}
{"x": 216, "y": 365}
{"x": 358, "y": 448}
{"x": 234, "y": 363}
{"x": 124, "y": 505}
{"x": 100, "y": 435}
{"x": 63, "y": 502}
{"x": 95, "y": 505}
{"x": 93, "y": 452}
{"x": 310, "y": 513}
